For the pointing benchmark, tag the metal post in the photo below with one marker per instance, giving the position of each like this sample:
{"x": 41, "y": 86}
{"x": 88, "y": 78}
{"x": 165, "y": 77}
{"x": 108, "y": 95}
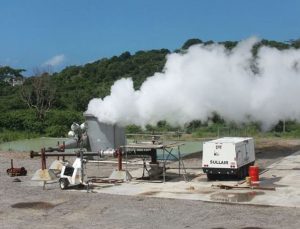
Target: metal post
{"x": 43, "y": 158}
{"x": 179, "y": 160}
{"x": 164, "y": 167}
{"x": 12, "y": 164}
{"x": 81, "y": 161}
{"x": 58, "y": 148}
{"x": 64, "y": 146}
{"x": 119, "y": 153}
{"x": 126, "y": 164}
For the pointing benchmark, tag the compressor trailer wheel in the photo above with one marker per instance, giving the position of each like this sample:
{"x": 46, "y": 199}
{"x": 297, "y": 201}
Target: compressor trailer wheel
{"x": 63, "y": 183}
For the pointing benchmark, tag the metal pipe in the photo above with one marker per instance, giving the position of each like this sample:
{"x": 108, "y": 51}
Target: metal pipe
{"x": 82, "y": 168}
{"x": 110, "y": 153}
{"x": 115, "y": 162}
{"x": 119, "y": 153}
{"x": 43, "y": 158}
{"x": 37, "y": 154}
{"x": 102, "y": 153}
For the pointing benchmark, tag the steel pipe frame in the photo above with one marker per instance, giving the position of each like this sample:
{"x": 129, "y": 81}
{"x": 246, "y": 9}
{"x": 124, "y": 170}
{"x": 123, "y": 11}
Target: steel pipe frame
{"x": 153, "y": 154}
{"x": 58, "y": 154}
{"x": 118, "y": 153}
{"x": 179, "y": 161}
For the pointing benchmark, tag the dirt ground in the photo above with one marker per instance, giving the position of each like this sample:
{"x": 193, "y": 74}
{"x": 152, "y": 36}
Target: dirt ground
{"x": 25, "y": 205}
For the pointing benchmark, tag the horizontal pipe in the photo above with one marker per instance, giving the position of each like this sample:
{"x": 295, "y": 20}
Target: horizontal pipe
{"x": 71, "y": 154}
{"x": 115, "y": 162}
{"x": 109, "y": 153}
{"x": 56, "y": 154}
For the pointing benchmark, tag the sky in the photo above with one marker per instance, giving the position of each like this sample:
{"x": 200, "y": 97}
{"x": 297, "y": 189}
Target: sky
{"x": 59, "y": 33}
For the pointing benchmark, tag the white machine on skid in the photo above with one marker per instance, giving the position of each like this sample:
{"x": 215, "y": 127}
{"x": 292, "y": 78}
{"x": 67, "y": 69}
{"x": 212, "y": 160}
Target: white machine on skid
{"x": 75, "y": 174}
{"x": 72, "y": 174}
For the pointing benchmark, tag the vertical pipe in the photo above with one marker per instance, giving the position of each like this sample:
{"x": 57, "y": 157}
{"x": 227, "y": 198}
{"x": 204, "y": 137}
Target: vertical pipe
{"x": 164, "y": 167}
{"x": 43, "y": 158}
{"x": 63, "y": 150}
{"x": 82, "y": 169}
{"x": 119, "y": 159}
{"x": 12, "y": 164}
{"x": 126, "y": 158}
{"x": 179, "y": 160}
{"x": 58, "y": 149}
{"x": 153, "y": 154}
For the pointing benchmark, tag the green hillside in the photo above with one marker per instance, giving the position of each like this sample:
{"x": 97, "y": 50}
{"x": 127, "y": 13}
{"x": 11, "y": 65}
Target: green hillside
{"x": 46, "y": 104}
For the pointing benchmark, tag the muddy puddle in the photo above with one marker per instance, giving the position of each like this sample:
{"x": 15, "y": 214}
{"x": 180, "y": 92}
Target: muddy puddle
{"x": 251, "y": 228}
{"x": 150, "y": 193}
{"x": 33, "y": 205}
{"x": 235, "y": 197}
{"x": 189, "y": 191}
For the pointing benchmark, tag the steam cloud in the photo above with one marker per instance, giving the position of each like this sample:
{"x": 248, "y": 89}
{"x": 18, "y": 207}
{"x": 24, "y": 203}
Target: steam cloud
{"x": 55, "y": 60}
{"x": 209, "y": 79}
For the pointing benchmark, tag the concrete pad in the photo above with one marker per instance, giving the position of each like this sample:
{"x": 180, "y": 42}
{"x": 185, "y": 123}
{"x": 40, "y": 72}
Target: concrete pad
{"x": 44, "y": 175}
{"x": 283, "y": 175}
{"x": 120, "y": 175}
{"x": 56, "y": 165}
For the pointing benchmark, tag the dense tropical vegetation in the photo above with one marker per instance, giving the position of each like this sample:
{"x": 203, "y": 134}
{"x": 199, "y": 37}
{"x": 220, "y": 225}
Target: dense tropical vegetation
{"x": 46, "y": 104}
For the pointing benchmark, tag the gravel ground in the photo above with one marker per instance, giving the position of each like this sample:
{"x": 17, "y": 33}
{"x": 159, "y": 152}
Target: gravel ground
{"x": 25, "y": 205}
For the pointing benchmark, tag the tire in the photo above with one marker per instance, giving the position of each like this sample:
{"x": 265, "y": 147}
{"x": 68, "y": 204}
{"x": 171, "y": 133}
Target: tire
{"x": 211, "y": 177}
{"x": 246, "y": 170}
{"x": 240, "y": 173}
{"x": 63, "y": 183}
{"x": 80, "y": 186}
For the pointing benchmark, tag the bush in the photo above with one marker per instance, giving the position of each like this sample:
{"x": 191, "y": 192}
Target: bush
{"x": 63, "y": 118}
{"x": 7, "y": 135}
{"x": 56, "y": 123}
{"x": 21, "y": 120}
{"x": 56, "y": 131}
{"x": 133, "y": 129}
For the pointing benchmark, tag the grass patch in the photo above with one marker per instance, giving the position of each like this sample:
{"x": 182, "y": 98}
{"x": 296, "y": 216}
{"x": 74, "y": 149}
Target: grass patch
{"x": 8, "y": 135}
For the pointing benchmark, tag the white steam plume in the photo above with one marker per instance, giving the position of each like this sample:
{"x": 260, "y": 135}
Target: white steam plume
{"x": 209, "y": 79}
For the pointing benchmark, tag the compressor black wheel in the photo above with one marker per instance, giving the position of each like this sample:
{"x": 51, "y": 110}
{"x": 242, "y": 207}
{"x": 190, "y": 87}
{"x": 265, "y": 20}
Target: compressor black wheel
{"x": 211, "y": 177}
{"x": 63, "y": 183}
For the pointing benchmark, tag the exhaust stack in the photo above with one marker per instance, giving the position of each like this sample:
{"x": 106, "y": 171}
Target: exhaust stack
{"x": 102, "y": 136}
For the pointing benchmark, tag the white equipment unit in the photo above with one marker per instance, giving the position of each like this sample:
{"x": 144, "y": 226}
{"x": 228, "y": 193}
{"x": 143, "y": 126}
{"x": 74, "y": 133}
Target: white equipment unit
{"x": 228, "y": 156}
{"x": 72, "y": 174}
{"x": 76, "y": 174}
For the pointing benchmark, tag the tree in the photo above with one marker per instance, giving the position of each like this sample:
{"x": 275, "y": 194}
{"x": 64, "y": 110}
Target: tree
{"x": 229, "y": 44}
{"x": 8, "y": 72}
{"x": 39, "y": 93}
{"x": 191, "y": 42}
{"x": 295, "y": 43}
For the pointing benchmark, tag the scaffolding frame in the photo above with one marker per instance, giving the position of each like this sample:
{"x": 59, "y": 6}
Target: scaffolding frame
{"x": 167, "y": 152}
